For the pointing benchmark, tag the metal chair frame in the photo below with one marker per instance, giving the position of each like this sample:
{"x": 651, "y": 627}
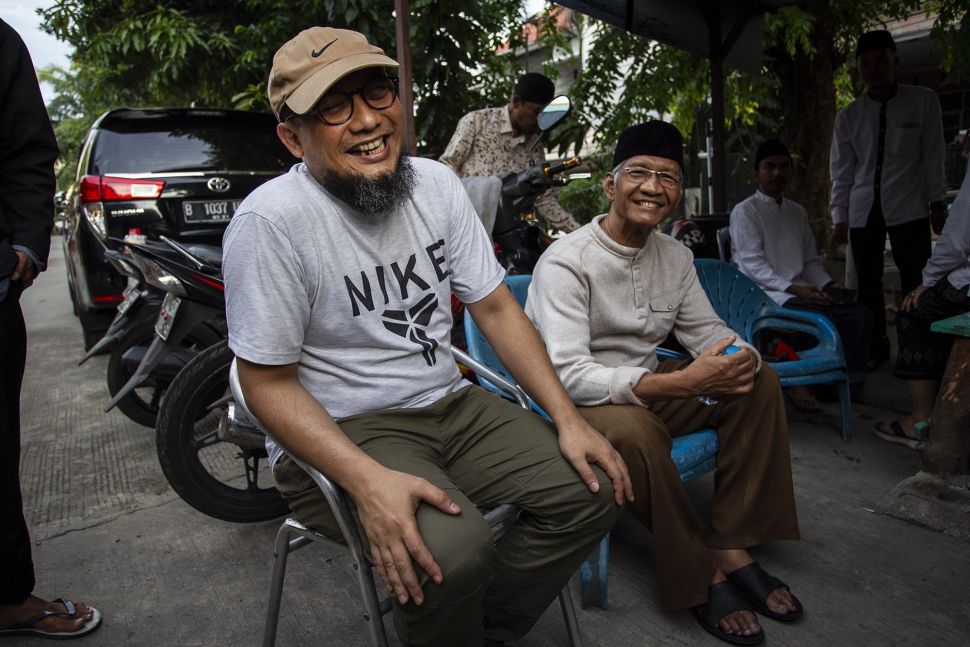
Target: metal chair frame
{"x": 293, "y": 535}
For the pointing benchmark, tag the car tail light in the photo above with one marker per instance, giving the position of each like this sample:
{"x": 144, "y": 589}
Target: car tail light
{"x": 96, "y": 190}
{"x": 117, "y": 188}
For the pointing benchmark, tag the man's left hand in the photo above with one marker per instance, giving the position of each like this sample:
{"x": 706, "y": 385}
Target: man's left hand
{"x": 911, "y": 300}
{"x": 937, "y": 217}
{"x": 581, "y": 445}
{"x": 24, "y": 270}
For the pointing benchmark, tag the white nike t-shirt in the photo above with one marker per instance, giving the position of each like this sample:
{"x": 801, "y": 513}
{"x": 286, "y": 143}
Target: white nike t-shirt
{"x": 361, "y": 303}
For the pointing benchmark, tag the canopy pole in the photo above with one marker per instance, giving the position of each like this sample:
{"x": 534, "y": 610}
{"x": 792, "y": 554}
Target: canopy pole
{"x": 712, "y": 14}
{"x": 405, "y": 84}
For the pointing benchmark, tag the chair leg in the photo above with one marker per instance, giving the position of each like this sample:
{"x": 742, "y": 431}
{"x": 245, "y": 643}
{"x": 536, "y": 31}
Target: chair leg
{"x": 372, "y": 606}
{"x": 593, "y": 576}
{"x": 281, "y": 551}
{"x": 569, "y": 617}
{"x": 845, "y": 400}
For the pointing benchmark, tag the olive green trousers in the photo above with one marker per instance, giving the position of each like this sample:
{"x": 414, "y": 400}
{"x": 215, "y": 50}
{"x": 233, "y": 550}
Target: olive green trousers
{"x": 483, "y": 451}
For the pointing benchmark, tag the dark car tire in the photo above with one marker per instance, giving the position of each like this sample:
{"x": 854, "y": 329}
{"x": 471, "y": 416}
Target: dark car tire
{"x": 141, "y": 405}
{"x": 188, "y": 428}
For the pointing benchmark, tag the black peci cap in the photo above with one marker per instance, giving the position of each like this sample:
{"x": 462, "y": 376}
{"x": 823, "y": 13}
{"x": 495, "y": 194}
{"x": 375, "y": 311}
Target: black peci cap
{"x": 655, "y": 138}
{"x": 768, "y": 148}
{"x": 535, "y": 88}
{"x": 873, "y": 40}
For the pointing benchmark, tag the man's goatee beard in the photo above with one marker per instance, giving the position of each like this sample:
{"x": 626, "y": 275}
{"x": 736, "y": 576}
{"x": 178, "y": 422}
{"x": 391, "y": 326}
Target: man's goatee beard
{"x": 374, "y": 197}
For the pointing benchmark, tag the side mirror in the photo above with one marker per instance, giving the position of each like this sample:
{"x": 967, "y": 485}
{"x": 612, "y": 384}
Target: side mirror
{"x": 554, "y": 113}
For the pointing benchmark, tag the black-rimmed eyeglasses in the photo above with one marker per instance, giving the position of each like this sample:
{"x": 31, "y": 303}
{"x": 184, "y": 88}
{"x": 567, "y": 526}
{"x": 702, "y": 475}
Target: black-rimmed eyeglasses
{"x": 337, "y": 107}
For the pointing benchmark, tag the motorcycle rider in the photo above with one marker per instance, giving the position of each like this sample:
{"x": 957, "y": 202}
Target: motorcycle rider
{"x": 496, "y": 141}
{"x": 338, "y": 277}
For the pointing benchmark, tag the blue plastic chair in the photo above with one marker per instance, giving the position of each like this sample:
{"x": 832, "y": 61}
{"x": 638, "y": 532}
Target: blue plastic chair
{"x": 694, "y": 454}
{"x": 746, "y": 308}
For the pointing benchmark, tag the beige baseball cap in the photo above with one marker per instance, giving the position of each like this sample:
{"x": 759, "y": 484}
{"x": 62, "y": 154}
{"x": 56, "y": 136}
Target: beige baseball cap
{"x": 309, "y": 64}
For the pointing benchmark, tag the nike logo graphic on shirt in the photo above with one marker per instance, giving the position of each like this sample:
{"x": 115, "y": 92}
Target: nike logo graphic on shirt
{"x": 320, "y": 51}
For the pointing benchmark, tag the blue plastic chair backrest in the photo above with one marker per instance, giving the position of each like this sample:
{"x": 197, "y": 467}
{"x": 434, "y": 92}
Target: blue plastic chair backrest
{"x": 736, "y": 299}
{"x": 478, "y": 346}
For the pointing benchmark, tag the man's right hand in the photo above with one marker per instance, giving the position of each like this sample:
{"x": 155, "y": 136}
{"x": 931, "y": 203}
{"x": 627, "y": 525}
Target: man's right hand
{"x": 387, "y": 514}
{"x": 841, "y": 233}
{"x": 810, "y": 293}
{"x": 714, "y": 374}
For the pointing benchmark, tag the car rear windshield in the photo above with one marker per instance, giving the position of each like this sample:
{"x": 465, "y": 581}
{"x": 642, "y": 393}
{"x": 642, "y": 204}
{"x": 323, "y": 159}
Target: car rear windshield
{"x": 173, "y": 143}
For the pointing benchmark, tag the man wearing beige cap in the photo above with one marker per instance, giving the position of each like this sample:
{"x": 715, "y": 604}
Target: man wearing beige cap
{"x": 338, "y": 281}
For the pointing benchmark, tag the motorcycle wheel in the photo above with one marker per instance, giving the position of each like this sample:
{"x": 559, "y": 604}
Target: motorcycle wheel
{"x": 217, "y": 478}
{"x": 141, "y": 404}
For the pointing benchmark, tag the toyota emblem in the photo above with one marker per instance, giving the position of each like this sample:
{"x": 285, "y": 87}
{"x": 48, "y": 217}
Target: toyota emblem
{"x": 218, "y": 184}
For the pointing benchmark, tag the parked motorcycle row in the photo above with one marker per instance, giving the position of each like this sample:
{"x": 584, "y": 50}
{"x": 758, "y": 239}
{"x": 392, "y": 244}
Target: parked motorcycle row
{"x": 169, "y": 356}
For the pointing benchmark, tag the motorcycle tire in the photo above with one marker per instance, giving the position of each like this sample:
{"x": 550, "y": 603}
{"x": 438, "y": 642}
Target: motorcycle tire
{"x": 218, "y": 478}
{"x": 141, "y": 404}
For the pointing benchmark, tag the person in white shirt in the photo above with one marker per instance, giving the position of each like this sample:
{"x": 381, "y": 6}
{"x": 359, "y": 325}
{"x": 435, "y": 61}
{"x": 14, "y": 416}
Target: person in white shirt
{"x": 772, "y": 244}
{"x": 923, "y": 354}
{"x": 887, "y": 177}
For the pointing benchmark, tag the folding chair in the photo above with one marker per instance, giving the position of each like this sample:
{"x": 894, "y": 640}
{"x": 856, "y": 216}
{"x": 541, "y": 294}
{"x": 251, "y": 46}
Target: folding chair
{"x": 293, "y": 535}
{"x": 694, "y": 454}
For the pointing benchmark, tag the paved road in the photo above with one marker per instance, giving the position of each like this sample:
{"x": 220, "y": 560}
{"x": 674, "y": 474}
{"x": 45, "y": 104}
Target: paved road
{"x": 107, "y": 529}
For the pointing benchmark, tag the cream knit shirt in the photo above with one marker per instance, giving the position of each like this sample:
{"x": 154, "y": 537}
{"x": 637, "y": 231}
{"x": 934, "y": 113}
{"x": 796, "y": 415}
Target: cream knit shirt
{"x": 603, "y": 308}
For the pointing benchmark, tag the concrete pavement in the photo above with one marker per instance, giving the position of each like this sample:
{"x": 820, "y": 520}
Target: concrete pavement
{"x": 107, "y": 529}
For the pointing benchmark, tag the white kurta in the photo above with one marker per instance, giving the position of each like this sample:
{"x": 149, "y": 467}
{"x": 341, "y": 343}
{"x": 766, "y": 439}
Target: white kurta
{"x": 772, "y": 244}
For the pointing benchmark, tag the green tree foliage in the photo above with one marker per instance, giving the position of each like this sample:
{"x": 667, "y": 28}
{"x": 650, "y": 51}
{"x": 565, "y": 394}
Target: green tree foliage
{"x": 218, "y": 54}
{"x": 804, "y": 80}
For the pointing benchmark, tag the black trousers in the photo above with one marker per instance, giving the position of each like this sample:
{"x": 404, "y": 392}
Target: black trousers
{"x": 911, "y": 248}
{"x": 16, "y": 564}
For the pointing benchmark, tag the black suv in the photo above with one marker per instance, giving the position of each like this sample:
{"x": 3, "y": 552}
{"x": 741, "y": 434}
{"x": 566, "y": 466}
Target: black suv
{"x": 178, "y": 172}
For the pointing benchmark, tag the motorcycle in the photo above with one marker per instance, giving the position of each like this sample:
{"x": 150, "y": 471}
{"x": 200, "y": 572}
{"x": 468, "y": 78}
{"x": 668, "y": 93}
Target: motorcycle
{"x": 138, "y": 301}
{"x": 139, "y": 371}
{"x": 210, "y": 456}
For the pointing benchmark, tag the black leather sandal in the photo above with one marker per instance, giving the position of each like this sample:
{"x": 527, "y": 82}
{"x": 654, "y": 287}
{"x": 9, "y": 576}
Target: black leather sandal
{"x": 756, "y": 585}
{"x": 723, "y": 599}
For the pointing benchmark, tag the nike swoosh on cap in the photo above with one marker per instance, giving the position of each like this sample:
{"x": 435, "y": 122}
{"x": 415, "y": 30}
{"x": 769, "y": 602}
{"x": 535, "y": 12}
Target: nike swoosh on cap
{"x": 320, "y": 51}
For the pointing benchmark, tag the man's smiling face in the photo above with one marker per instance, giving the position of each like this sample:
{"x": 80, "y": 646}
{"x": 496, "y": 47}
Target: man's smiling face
{"x": 644, "y": 205}
{"x": 368, "y": 145}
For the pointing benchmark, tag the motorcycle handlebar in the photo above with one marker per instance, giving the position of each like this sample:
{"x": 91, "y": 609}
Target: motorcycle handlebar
{"x": 565, "y": 165}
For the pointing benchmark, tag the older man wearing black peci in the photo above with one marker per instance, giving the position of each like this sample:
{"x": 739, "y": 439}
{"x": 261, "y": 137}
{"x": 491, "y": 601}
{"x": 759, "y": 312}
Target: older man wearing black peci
{"x": 603, "y": 299}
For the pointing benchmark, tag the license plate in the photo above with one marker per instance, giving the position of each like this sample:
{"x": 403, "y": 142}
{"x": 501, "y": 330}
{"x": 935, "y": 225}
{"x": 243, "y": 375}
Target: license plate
{"x": 131, "y": 295}
{"x": 166, "y": 316}
{"x": 207, "y": 211}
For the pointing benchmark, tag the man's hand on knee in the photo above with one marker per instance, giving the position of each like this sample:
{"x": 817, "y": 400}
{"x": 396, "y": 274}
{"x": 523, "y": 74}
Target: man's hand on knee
{"x": 582, "y": 445}
{"x": 387, "y": 514}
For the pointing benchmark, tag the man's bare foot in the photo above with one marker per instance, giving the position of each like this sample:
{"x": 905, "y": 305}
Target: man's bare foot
{"x": 803, "y": 400}
{"x": 740, "y": 623}
{"x": 780, "y": 600}
{"x": 12, "y": 615}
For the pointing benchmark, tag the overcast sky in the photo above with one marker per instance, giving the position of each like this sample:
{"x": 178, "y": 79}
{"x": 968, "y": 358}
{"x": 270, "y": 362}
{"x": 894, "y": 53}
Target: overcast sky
{"x": 46, "y": 50}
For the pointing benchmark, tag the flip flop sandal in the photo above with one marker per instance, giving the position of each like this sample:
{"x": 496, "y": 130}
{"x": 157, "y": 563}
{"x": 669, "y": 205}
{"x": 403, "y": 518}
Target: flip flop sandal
{"x": 897, "y": 435}
{"x": 723, "y": 598}
{"x": 28, "y": 627}
{"x": 756, "y": 585}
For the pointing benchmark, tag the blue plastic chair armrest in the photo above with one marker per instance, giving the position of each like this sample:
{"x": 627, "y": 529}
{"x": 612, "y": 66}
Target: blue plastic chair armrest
{"x": 666, "y": 353}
